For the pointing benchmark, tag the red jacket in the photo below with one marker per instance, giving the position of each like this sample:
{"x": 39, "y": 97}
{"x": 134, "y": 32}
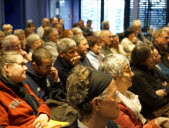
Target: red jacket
{"x": 14, "y": 111}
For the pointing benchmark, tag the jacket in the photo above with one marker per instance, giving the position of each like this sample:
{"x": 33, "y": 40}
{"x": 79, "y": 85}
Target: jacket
{"x": 41, "y": 86}
{"x": 15, "y": 112}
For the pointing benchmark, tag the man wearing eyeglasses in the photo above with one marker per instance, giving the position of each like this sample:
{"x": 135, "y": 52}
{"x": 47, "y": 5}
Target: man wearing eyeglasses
{"x": 160, "y": 41}
{"x": 41, "y": 76}
{"x": 12, "y": 43}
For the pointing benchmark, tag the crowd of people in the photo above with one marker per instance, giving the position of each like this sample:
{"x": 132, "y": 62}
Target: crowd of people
{"x": 90, "y": 79}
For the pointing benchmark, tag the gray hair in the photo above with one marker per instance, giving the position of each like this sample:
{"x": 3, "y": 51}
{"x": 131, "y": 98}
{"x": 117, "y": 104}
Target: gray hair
{"x": 136, "y": 23}
{"x": 8, "y": 39}
{"x": 8, "y": 57}
{"x": 78, "y": 39}
{"x": 76, "y": 30}
{"x": 65, "y": 44}
{"x": 32, "y": 38}
{"x": 114, "y": 64}
{"x": 18, "y": 31}
{"x": 47, "y": 33}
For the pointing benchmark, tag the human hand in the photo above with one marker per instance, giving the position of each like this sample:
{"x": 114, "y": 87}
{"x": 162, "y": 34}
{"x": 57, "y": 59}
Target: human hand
{"x": 54, "y": 74}
{"x": 75, "y": 60}
{"x": 41, "y": 121}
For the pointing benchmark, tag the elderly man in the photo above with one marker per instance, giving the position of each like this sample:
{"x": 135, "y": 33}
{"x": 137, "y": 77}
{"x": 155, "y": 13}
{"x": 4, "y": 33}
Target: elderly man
{"x": 107, "y": 38}
{"x": 41, "y": 76}
{"x": 160, "y": 41}
{"x": 12, "y": 43}
{"x": 82, "y": 49}
{"x": 51, "y": 38}
{"x": 67, "y": 59}
{"x": 40, "y": 30}
{"x": 105, "y": 25}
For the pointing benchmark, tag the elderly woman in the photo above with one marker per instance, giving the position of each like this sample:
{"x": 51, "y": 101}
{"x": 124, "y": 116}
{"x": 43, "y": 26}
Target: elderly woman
{"x": 153, "y": 95}
{"x": 94, "y": 95}
{"x": 21, "y": 36}
{"x": 129, "y": 42}
{"x": 19, "y": 106}
{"x": 34, "y": 42}
{"x": 119, "y": 67}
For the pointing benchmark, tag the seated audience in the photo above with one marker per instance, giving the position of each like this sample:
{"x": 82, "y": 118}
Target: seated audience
{"x": 160, "y": 42}
{"x": 7, "y": 29}
{"x": 32, "y": 26}
{"x": 94, "y": 56}
{"x": 105, "y": 25}
{"x": 33, "y": 42}
{"x": 40, "y": 30}
{"x": 67, "y": 34}
{"x": 160, "y": 65}
{"x": 67, "y": 59}
{"x": 136, "y": 25}
{"x": 19, "y": 106}
{"x": 130, "y": 117}
{"x": 106, "y": 40}
{"x": 60, "y": 28}
{"x": 89, "y": 29}
{"x": 2, "y": 36}
{"x": 77, "y": 31}
{"x": 94, "y": 95}
{"x": 116, "y": 47}
{"x": 28, "y": 31}
{"x": 154, "y": 97}
{"x": 12, "y": 43}
{"x": 41, "y": 76}
{"x": 53, "y": 21}
{"x": 129, "y": 42}
{"x": 21, "y": 36}
{"x": 51, "y": 37}
{"x": 82, "y": 49}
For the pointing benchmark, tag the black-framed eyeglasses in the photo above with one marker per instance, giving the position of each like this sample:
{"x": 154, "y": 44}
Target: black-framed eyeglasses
{"x": 46, "y": 67}
{"x": 166, "y": 37}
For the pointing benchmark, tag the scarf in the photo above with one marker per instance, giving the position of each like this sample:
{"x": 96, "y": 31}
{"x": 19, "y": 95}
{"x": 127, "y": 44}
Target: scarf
{"x": 131, "y": 101}
{"x": 20, "y": 90}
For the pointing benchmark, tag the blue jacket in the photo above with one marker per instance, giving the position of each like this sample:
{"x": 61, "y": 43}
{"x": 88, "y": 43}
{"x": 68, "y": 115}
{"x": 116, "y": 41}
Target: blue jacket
{"x": 41, "y": 86}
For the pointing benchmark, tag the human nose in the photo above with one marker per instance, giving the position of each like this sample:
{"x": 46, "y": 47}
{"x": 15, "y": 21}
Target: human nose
{"x": 25, "y": 68}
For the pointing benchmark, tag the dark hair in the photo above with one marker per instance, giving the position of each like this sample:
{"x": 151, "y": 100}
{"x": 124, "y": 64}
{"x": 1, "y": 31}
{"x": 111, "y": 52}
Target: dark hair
{"x": 40, "y": 53}
{"x": 92, "y": 40}
{"x": 89, "y": 21}
{"x": 30, "y": 24}
{"x": 128, "y": 31}
{"x": 140, "y": 54}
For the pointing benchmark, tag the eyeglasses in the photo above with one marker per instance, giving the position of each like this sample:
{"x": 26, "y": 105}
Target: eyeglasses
{"x": 22, "y": 63}
{"x": 114, "y": 95}
{"x": 46, "y": 67}
{"x": 112, "y": 36}
{"x": 166, "y": 37}
{"x": 15, "y": 46}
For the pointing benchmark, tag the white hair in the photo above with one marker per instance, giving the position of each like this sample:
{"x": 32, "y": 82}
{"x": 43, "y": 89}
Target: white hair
{"x": 8, "y": 39}
{"x": 65, "y": 44}
{"x": 32, "y": 38}
{"x": 114, "y": 64}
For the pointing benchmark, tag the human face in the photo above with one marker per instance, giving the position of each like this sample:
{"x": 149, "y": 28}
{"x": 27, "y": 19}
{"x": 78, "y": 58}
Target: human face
{"x": 70, "y": 34}
{"x": 21, "y": 36}
{"x": 45, "y": 67}
{"x": 82, "y": 47}
{"x": 108, "y": 38}
{"x": 157, "y": 56}
{"x": 36, "y": 44}
{"x": 125, "y": 80}
{"x": 150, "y": 62}
{"x": 108, "y": 106}
{"x": 15, "y": 44}
{"x": 81, "y": 22}
{"x": 96, "y": 48}
{"x": 17, "y": 70}
{"x": 163, "y": 40}
{"x": 54, "y": 36}
{"x": 69, "y": 54}
{"x": 33, "y": 28}
{"x": 59, "y": 27}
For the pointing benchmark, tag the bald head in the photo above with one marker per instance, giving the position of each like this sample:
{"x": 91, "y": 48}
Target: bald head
{"x": 104, "y": 33}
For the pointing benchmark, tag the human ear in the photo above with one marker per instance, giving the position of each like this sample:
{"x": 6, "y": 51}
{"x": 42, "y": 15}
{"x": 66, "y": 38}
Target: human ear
{"x": 96, "y": 103}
